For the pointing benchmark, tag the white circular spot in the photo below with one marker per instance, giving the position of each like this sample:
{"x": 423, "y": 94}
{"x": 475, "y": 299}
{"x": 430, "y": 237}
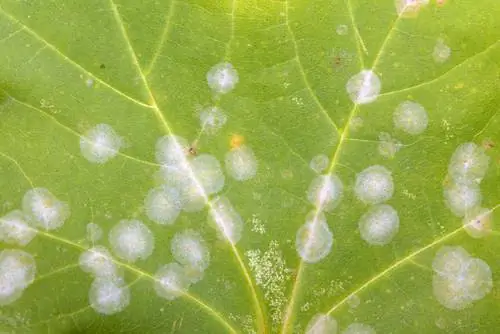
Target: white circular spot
{"x": 241, "y": 163}
{"x": 163, "y": 205}
{"x": 171, "y": 281}
{"x": 388, "y": 146}
{"x": 374, "y": 185}
{"x": 212, "y": 119}
{"x": 468, "y": 163}
{"x": 131, "y": 240}
{"x": 43, "y": 209}
{"x": 100, "y": 144}
{"x": 15, "y": 230}
{"x": 441, "y": 51}
{"x": 363, "y": 87}
{"x": 478, "y": 222}
{"x": 314, "y": 239}
{"x": 171, "y": 150}
{"x": 358, "y": 328}
{"x": 319, "y": 163}
{"x": 222, "y": 78}
{"x": 190, "y": 250}
{"x": 98, "y": 262}
{"x": 208, "y": 173}
{"x": 342, "y": 29}
{"x": 462, "y": 197}
{"x": 410, "y": 117}
{"x": 94, "y": 232}
{"x": 17, "y": 271}
{"x": 225, "y": 219}
{"x": 322, "y": 324}
{"x": 379, "y": 225}
{"x": 108, "y": 296}
{"x": 353, "y": 301}
{"x": 325, "y": 192}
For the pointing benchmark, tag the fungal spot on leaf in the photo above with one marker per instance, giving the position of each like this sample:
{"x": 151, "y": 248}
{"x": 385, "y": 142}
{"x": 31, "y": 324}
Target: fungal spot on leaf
{"x": 441, "y": 51}
{"x": 319, "y": 163}
{"x": 353, "y": 301}
{"x": 108, "y": 296}
{"x": 17, "y": 272}
{"x": 171, "y": 150}
{"x": 478, "y": 222}
{"x": 468, "y": 163}
{"x": 222, "y": 78}
{"x": 363, "y": 87}
{"x": 189, "y": 249}
{"x": 342, "y": 29}
{"x": 462, "y": 197}
{"x": 212, "y": 119}
{"x": 163, "y": 205}
{"x": 459, "y": 279}
{"x": 374, "y": 185}
{"x": 325, "y": 192}
{"x": 241, "y": 163}
{"x": 131, "y": 240}
{"x": 409, "y": 8}
{"x": 314, "y": 239}
{"x": 100, "y": 144}
{"x": 322, "y": 324}
{"x": 358, "y": 328}
{"x": 388, "y": 146}
{"x": 410, "y": 117}
{"x": 98, "y": 262}
{"x": 15, "y": 230}
{"x": 94, "y": 233}
{"x": 171, "y": 281}
{"x": 379, "y": 225}
{"x": 226, "y": 220}
{"x": 43, "y": 209}
{"x": 208, "y": 172}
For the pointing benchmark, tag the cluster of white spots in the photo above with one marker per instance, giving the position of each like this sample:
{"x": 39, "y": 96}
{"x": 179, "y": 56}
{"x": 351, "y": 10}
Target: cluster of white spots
{"x": 43, "y": 209}
{"x": 190, "y": 250}
{"x": 171, "y": 281}
{"x": 131, "y": 240}
{"x": 100, "y": 144}
{"x": 17, "y": 272}
{"x": 363, "y": 87}
{"x": 319, "y": 163}
{"x": 15, "y": 230}
{"x": 98, "y": 262}
{"x": 358, "y": 328}
{"x": 441, "y": 51}
{"x": 325, "y": 192}
{"x": 342, "y": 29}
{"x": 459, "y": 279}
{"x": 314, "y": 239}
{"x": 222, "y": 78}
{"x": 94, "y": 233}
{"x": 379, "y": 225}
{"x": 478, "y": 222}
{"x": 468, "y": 163}
{"x": 271, "y": 274}
{"x": 410, "y": 117}
{"x": 212, "y": 119}
{"x": 322, "y": 324}
{"x": 109, "y": 296}
{"x": 461, "y": 197}
{"x": 226, "y": 220}
{"x": 409, "y": 7}
{"x": 374, "y": 185}
{"x": 388, "y": 146}
{"x": 241, "y": 163}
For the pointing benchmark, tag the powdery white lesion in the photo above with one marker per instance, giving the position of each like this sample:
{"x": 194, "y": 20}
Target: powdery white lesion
{"x": 15, "y": 229}
{"x": 190, "y": 250}
{"x": 131, "y": 240}
{"x": 100, "y": 144}
{"x": 364, "y": 87}
{"x": 325, "y": 192}
{"x": 43, "y": 209}
{"x": 314, "y": 239}
{"x": 374, "y": 185}
{"x": 17, "y": 272}
{"x": 379, "y": 225}
{"x": 322, "y": 324}
{"x": 411, "y": 117}
{"x": 109, "y": 296}
{"x": 222, "y": 78}
{"x": 241, "y": 163}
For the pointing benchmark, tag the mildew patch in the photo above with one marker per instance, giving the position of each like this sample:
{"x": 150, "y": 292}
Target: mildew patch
{"x": 363, "y": 87}
{"x": 409, "y": 8}
{"x": 410, "y": 117}
{"x": 171, "y": 281}
{"x": 358, "y": 328}
{"x": 322, "y": 324}
{"x": 131, "y": 240}
{"x": 319, "y": 163}
{"x": 98, "y": 261}
{"x": 374, "y": 185}
{"x": 353, "y": 301}
{"x": 314, "y": 239}
{"x": 222, "y": 78}
{"x": 226, "y": 220}
{"x": 241, "y": 163}
{"x": 459, "y": 279}
{"x": 379, "y": 225}
{"x": 461, "y": 197}
{"x": 441, "y": 51}
{"x": 15, "y": 230}
{"x": 478, "y": 222}
{"x": 171, "y": 150}
{"x": 43, "y": 209}
{"x": 163, "y": 205}
{"x": 17, "y": 272}
{"x": 208, "y": 173}
{"x": 190, "y": 250}
{"x": 94, "y": 233}
{"x": 325, "y": 192}
{"x": 212, "y": 119}
{"x": 388, "y": 146}
{"x": 468, "y": 163}
{"x": 100, "y": 144}
{"x": 342, "y": 29}
{"x": 109, "y": 296}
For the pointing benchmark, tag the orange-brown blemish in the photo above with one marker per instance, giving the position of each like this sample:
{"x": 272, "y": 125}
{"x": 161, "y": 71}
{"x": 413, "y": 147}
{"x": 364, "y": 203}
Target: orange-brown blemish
{"x": 236, "y": 141}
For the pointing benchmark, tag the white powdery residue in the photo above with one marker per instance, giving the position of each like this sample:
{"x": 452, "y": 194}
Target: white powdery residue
{"x": 319, "y": 163}
{"x": 100, "y": 144}
{"x": 468, "y": 163}
{"x": 388, "y": 146}
{"x": 409, "y": 7}
{"x": 379, "y": 225}
{"x": 241, "y": 163}
{"x": 441, "y": 51}
{"x": 322, "y": 324}
{"x": 353, "y": 301}
{"x": 325, "y": 192}
{"x": 459, "y": 279}
{"x": 17, "y": 272}
{"x": 171, "y": 150}
{"x": 163, "y": 204}
{"x": 15, "y": 230}
{"x": 108, "y": 296}
{"x": 374, "y": 185}
{"x": 363, "y": 87}
{"x": 43, "y": 209}
{"x": 461, "y": 197}
{"x": 222, "y": 78}
{"x": 208, "y": 172}
{"x": 171, "y": 281}
{"x": 410, "y": 117}
{"x": 314, "y": 239}
{"x": 212, "y": 119}
{"x": 94, "y": 233}
{"x": 358, "y": 328}
{"x": 131, "y": 240}
{"x": 98, "y": 262}
{"x": 189, "y": 249}
{"x": 478, "y": 222}
{"x": 342, "y": 29}
{"x": 226, "y": 220}
{"x": 271, "y": 274}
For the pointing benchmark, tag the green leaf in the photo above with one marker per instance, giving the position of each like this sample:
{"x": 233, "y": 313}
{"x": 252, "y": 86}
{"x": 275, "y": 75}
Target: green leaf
{"x": 250, "y": 238}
